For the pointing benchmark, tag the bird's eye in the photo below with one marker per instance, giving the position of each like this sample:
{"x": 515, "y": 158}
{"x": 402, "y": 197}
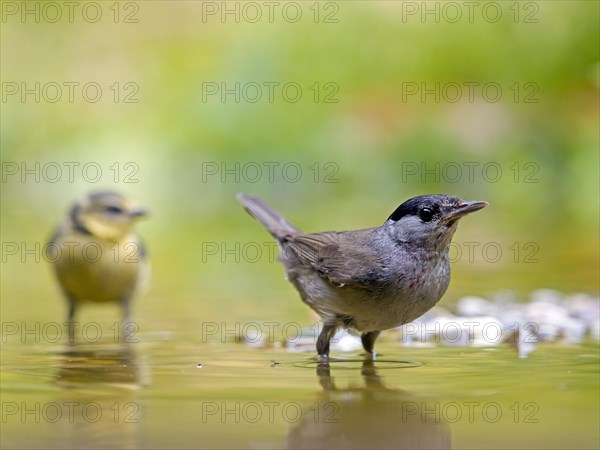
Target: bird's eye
{"x": 426, "y": 214}
{"x": 113, "y": 209}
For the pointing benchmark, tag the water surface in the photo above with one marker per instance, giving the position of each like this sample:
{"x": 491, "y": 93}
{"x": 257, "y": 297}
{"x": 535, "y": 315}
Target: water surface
{"x": 167, "y": 391}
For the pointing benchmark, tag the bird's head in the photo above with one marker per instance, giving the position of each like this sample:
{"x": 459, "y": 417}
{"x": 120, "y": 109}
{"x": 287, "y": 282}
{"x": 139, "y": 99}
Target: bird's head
{"x": 107, "y": 215}
{"x": 429, "y": 221}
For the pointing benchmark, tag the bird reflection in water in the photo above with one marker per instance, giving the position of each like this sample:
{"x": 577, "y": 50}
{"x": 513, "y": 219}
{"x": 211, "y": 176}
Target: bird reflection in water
{"x": 372, "y": 417}
{"x": 99, "y": 404}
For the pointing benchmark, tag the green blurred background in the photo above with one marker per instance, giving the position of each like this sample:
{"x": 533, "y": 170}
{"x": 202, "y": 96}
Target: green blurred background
{"x": 364, "y": 55}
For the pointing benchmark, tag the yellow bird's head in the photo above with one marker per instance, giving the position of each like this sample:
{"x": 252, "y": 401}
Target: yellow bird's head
{"x": 106, "y": 215}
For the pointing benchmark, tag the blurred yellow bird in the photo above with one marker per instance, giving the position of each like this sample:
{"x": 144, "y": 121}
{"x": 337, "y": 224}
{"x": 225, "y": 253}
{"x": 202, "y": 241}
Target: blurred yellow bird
{"x": 97, "y": 255}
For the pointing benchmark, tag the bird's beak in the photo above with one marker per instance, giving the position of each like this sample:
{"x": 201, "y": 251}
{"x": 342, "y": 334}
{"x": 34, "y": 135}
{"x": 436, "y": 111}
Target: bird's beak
{"x": 463, "y": 209}
{"x": 138, "y": 213}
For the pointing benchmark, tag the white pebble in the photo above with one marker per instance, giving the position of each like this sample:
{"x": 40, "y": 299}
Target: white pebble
{"x": 473, "y": 306}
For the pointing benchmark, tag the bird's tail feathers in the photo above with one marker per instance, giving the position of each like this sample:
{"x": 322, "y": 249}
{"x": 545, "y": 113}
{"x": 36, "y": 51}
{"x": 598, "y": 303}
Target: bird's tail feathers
{"x": 274, "y": 222}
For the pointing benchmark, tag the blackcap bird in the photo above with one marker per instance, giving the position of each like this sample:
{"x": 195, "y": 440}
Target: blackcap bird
{"x": 372, "y": 279}
{"x": 97, "y": 255}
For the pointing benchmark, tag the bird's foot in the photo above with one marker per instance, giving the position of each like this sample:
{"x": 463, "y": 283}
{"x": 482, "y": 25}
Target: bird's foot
{"x": 370, "y": 356}
{"x": 323, "y": 360}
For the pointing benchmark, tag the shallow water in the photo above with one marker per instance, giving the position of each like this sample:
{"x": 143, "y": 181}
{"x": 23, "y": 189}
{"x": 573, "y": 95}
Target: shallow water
{"x": 168, "y": 391}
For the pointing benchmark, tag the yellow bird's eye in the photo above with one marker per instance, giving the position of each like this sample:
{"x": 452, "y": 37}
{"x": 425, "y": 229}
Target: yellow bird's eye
{"x": 113, "y": 209}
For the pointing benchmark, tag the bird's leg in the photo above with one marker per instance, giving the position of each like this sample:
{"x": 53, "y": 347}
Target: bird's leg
{"x": 368, "y": 341}
{"x": 71, "y": 320}
{"x": 127, "y": 326}
{"x": 323, "y": 342}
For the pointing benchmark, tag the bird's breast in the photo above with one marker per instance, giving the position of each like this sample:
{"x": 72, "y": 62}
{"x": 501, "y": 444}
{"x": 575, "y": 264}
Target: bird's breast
{"x": 95, "y": 269}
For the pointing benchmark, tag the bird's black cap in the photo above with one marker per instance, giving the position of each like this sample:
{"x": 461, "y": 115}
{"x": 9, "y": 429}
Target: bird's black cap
{"x": 412, "y": 206}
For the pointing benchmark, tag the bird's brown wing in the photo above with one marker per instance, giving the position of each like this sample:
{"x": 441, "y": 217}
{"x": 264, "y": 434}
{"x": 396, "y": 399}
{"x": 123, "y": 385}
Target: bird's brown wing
{"x": 343, "y": 258}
